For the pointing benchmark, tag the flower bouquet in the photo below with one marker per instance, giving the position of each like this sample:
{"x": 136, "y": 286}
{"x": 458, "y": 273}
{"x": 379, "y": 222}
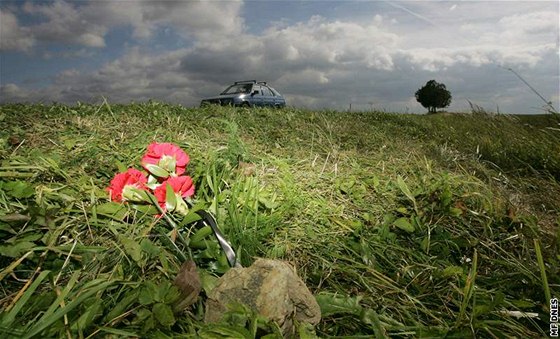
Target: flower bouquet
{"x": 165, "y": 185}
{"x": 165, "y": 164}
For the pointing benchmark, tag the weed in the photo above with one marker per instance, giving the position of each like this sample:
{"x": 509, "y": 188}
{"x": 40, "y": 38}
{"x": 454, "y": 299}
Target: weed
{"x": 401, "y": 225}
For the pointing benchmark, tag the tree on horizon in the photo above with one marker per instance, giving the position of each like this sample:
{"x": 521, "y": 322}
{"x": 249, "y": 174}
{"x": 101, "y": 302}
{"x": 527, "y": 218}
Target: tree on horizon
{"x": 433, "y": 95}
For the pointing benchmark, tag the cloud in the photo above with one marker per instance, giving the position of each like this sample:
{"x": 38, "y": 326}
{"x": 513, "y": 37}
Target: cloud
{"x": 66, "y": 24}
{"x": 87, "y": 24}
{"x": 12, "y": 36}
{"x": 317, "y": 62}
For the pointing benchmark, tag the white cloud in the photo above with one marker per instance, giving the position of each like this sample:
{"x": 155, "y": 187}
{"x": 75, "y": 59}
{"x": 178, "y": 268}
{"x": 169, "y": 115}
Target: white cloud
{"x": 13, "y": 37}
{"x": 65, "y": 23}
{"x": 318, "y": 62}
{"x": 87, "y": 23}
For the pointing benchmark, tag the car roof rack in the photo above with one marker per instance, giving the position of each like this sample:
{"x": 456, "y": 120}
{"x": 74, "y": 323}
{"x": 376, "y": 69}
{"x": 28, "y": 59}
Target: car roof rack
{"x": 262, "y": 82}
{"x": 246, "y": 82}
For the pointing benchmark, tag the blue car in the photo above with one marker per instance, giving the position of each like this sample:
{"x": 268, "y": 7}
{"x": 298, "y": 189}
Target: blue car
{"x": 247, "y": 94}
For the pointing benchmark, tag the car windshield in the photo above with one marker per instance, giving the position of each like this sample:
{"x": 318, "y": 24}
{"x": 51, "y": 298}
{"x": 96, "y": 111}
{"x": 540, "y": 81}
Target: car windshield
{"x": 235, "y": 89}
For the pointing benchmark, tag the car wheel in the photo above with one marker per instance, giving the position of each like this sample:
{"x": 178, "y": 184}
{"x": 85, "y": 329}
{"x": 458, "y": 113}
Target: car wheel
{"x": 245, "y": 105}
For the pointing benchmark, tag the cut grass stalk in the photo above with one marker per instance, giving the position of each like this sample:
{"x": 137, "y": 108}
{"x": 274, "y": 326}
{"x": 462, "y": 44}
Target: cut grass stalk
{"x": 469, "y": 289}
{"x": 542, "y": 268}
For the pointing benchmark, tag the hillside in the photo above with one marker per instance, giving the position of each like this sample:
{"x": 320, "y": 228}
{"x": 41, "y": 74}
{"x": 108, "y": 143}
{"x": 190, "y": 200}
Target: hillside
{"x": 400, "y": 225}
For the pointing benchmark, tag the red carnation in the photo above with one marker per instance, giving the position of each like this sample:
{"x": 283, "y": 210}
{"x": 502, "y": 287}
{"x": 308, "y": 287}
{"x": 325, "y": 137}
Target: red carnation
{"x": 182, "y": 186}
{"x": 163, "y": 155}
{"x": 131, "y": 178}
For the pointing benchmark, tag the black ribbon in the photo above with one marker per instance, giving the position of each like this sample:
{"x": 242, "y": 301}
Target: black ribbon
{"x": 208, "y": 219}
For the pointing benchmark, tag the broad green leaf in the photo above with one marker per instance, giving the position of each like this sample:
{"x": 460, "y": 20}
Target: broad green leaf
{"x": 371, "y": 317}
{"x": 120, "y": 166}
{"x": 145, "y": 209}
{"x": 338, "y": 304}
{"x": 122, "y": 306}
{"x": 450, "y": 271}
{"x": 171, "y": 294}
{"x": 456, "y": 212}
{"x": 19, "y": 189}
{"x": 112, "y": 209}
{"x": 69, "y": 143}
{"x": 404, "y": 225}
{"x": 148, "y": 293}
{"x": 46, "y": 321}
{"x": 404, "y": 188}
{"x": 132, "y": 248}
{"x": 224, "y": 331}
{"x": 86, "y": 319}
{"x": 8, "y": 319}
{"x": 170, "y": 164}
{"x": 200, "y": 234}
{"x": 208, "y": 281}
{"x": 170, "y": 198}
{"x": 306, "y": 331}
{"x": 148, "y": 247}
{"x": 118, "y": 333}
{"x": 157, "y": 171}
{"x": 17, "y": 249}
{"x": 149, "y": 323}
{"x": 13, "y": 218}
{"x": 163, "y": 314}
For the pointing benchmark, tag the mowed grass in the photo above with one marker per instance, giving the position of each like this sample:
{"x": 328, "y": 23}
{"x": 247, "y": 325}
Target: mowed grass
{"x": 401, "y": 225}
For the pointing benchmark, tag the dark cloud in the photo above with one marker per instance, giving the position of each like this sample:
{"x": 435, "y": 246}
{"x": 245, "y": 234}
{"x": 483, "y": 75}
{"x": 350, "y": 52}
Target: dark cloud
{"x": 318, "y": 63}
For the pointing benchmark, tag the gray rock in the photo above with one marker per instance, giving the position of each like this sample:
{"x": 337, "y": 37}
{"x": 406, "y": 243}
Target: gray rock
{"x": 269, "y": 287}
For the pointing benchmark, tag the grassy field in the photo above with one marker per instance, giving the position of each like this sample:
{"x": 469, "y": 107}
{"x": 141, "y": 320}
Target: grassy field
{"x": 400, "y": 225}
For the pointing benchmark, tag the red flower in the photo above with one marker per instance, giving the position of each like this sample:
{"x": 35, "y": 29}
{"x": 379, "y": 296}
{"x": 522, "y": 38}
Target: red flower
{"x": 162, "y": 154}
{"x": 182, "y": 186}
{"x": 131, "y": 178}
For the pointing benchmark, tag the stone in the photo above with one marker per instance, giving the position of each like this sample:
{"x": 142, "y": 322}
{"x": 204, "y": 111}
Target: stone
{"x": 189, "y": 284}
{"x": 269, "y": 287}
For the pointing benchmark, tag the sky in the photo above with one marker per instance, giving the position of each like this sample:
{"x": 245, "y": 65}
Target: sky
{"x": 373, "y": 55}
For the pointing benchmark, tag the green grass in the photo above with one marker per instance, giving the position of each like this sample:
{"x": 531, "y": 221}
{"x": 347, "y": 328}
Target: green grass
{"x": 401, "y": 225}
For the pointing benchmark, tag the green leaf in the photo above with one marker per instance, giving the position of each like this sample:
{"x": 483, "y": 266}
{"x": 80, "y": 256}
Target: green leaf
{"x": 69, "y": 143}
{"x": 306, "y": 331}
{"x": 450, "y": 271}
{"x": 404, "y": 188}
{"x": 130, "y": 297}
{"x": 19, "y": 189}
{"x": 149, "y": 323}
{"x": 17, "y": 249}
{"x": 163, "y": 314}
{"x": 171, "y": 165}
{"x": 223, "y": 331}
{"x": 118, "y": 333}
{"x": 148, "y": 293}
{"x": 338, "y": 304}
{"x": 47, "y": 320}
{"x": 8, "y": 319}
{"x": 208, "y": 281}
{"x": 200, "y": 234}
{"x": 171, "y": 294}
{"x": 120, "y": 166}
{"x": 157, "y": 171}
{"x": 404, "y": 225}
{"x": 170, "y": 198}
{"x": 86, "y": 319}
{"x": 132, "y": 248}
{"x": 112, "y": 209}
{"x": 148, "y": 247}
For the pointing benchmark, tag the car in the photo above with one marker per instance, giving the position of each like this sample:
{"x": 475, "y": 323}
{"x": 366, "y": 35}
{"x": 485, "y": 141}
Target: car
{"x": 249, "y": 93}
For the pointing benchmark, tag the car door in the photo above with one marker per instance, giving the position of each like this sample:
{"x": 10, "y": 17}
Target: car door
{"x": 257, "y": 96}
{"x": 278, "y": 98}
{"x": 268, "y": 97}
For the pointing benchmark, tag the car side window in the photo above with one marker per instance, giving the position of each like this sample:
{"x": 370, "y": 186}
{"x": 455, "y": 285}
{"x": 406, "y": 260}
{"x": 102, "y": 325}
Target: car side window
{"x": 275, "y": 92}
{"x": 267, "y": 91}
